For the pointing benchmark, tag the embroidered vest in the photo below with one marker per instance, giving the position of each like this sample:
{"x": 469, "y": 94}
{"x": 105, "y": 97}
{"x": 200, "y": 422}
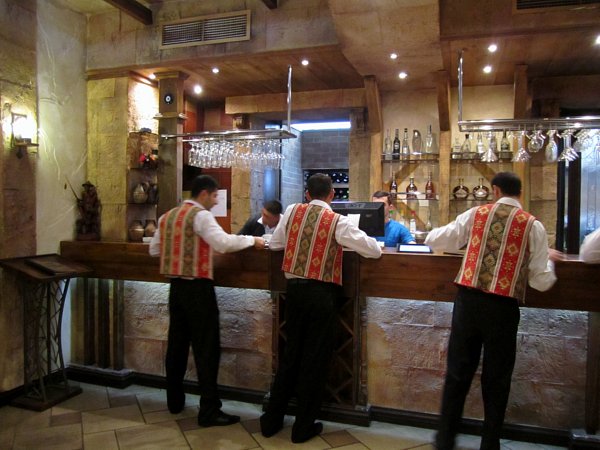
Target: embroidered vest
{"x": 311, "y": 250}
{"x": 497, "y": 256}
{"x": 182, "y": 252}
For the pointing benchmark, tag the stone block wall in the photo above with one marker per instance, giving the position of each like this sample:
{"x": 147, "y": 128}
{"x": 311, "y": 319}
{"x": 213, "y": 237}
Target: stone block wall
{"x": 407, "y": 350}
{"x": 292, "y": 182}
{"x": 325, "y": 149}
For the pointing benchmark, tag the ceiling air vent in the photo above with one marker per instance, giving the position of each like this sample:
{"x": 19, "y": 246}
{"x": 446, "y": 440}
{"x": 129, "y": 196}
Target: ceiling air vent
{"x": 213, "y": 29}
{"x": 536, "y": 4}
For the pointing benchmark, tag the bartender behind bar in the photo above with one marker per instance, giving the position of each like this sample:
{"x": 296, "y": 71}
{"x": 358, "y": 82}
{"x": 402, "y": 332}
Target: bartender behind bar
{"x": 506, "y": 248}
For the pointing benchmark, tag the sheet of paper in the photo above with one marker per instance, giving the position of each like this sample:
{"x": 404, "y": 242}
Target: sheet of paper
{"x": 220, "y": 209}
{"x": 354, "y": 218}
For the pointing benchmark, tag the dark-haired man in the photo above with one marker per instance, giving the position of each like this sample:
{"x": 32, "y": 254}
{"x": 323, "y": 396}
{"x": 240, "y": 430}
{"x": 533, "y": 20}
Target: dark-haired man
{"x": 312, "y": 236}
{"x": 185, "y": 239}
{"x": 395, "y": 232}
{"x": 506, "y": 249}
{"x": 265, "y": 222}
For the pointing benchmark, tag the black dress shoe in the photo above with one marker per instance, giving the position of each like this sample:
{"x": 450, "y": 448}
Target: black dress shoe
{"x": 175, "y": 400}
{"x": 269, "y": 425}
{"x": 315, "y": 430}
{"x": 219, "y": 419}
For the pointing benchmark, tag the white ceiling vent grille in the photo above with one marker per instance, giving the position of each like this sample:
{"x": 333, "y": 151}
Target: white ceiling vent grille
{"x": 213, "y": 29}
{"x": 536, "y": 4}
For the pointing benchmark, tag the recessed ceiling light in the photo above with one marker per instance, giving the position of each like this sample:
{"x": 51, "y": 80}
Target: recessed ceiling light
{"x": 492, "y": 48}
{"x": 152, "y": 76}
{"x": 487, "y": 69}
{"x": 598, "y": 40}
{"x": 197, "y": 89}
{"x": 393, "y": 55}
{"x": 215, "y": 70}
{"x": 305, "y": 62}
{"x": 402, "y": 75}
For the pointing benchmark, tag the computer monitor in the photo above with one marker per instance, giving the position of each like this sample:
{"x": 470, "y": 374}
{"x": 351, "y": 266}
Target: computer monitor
{"x": 372, "y": 215}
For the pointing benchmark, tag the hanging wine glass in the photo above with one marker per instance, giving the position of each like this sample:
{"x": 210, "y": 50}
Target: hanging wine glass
{"x": 568, "y": 153}
{"x": 551, "y": 151}
{"x": 536, "y": 141}
{"x": 521, "y": 155}
{"x": 490, "y": 153}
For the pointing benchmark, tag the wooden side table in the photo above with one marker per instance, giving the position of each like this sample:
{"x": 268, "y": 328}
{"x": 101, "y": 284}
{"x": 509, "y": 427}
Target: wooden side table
{"x": 43, "y": 283}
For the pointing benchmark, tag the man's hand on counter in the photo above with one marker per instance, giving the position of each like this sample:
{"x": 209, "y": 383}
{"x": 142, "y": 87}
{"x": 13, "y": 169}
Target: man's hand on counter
{"x": 259, "y": 242}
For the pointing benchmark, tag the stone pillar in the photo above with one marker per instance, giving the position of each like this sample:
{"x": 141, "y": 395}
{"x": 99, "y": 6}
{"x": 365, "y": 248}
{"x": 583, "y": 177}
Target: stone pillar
{"x": 359, "y": 156}
{"x": 170, "y": 117}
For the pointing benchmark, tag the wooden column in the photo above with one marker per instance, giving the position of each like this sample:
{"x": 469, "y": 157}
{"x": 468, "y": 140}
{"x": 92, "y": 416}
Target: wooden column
{"x": 170, "y": 121}
{"x": 375, "y": 121}
{"x": 444, "y": 144}
{"x": 522, "y": 109}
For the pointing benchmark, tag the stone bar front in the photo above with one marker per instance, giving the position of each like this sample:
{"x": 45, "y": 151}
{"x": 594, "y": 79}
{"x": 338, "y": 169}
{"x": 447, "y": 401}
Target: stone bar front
{"x": 391, "y": 349}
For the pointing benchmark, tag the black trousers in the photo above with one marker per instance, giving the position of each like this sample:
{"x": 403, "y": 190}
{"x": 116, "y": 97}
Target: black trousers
{"x": 488, "y": 320}
{"x": 310, "y": 325}
{"x": 194, "y": 319}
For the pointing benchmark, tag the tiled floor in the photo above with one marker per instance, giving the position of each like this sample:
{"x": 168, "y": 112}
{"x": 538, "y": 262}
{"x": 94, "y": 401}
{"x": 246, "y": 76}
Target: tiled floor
{"x": 137, "y": 417}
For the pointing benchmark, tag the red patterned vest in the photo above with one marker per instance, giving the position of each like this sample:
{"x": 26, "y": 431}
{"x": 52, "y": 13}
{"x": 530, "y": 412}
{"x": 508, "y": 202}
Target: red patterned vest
{"x": 182, "y": 252}
{"x": 311, "y": 250}
{"x": 497, "y": 256}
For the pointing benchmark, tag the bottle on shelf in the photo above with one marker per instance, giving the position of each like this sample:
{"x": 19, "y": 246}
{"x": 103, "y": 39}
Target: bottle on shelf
{"x": 412, "y": 225}
{"x": 430, "y": 147}
{"x": 428, "y": 225}
{"x": 429, "y": 189}
{"x": 405, "y": 147}
{"x": 465, "y": 148}
{"x": 417, "y": 143}
{"x": 505, "y": 151}
{"x": 396, "y": 145}
{"x": 411, "y": 189}
{"x": 481, "y": 192}
{"x": 480, "y": 146}
{"x": 387, "y": 146}
{"x": 394, "y": 189}
{"x": 460, "y": 192}
{"x": 493, "y": 142}
{"x": 456, "y": 149}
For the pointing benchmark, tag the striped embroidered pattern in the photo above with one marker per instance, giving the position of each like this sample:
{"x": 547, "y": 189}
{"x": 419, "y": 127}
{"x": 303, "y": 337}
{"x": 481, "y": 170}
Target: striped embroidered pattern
{"x": 311, "y": 249}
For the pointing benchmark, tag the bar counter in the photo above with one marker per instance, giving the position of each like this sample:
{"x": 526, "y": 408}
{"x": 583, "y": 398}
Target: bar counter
{"x": 391, "y": 304}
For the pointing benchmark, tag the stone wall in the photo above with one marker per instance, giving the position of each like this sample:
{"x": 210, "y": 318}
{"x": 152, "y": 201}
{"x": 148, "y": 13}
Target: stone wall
{"x": 292, "y": 184}
{"x": 407, "y": 349}
{"x": 326, "y": 149}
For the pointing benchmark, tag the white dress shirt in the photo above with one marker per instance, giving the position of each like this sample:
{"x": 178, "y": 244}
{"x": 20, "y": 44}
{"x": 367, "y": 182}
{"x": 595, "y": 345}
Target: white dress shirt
{"x": 455, "y": 235}
{"x": 346, "y": 234}
{"x": 589, "y": 252}
{"x": 208, "y": 229}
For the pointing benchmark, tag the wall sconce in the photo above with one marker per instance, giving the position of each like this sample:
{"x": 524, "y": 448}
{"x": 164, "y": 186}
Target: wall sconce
{"x": 22, "y": 130}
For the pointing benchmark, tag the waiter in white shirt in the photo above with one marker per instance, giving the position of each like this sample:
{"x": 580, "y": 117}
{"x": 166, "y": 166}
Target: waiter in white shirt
{"x": 312, "y": 237}
{"x": 185, "y": 239}
{"x": 589, "y": 252}
{"x": 506, "y": 249}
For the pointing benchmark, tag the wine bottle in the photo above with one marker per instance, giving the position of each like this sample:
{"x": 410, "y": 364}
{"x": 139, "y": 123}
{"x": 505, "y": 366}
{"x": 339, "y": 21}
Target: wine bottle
{"x": 480, "y": 192}
{"x": 396, "y": 145}
{"x": 405, "y": 147}
{"x": 394, "y": 189}
{"x": 387, "y": 147}
{"x": 411, "y": 189}
{"x": 429, "y": 189}
{"x": 460, "y": 192}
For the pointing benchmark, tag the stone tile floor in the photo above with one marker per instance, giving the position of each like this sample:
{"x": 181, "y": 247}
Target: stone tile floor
{"x": 137, "y": 418}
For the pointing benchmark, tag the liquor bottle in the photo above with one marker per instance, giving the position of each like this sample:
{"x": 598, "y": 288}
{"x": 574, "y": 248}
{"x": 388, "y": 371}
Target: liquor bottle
{"x": 394, "y": 189}
{"x": 412, "y": 225}
{"x": 505, "y": 151}
{"x": 493, "y": 142}
{"x": 460, "y": 192}
{"x": 465, "y": 148}
{"x": 405, "y": 147}
{"x": 411, "y": 190}
{"x": 429, "y": 189}
{"x": 417, "y": 143}
{"x": 387, "y": 147}
{"x": 480, "y": 147}
{"x": 396, "y": 146}
{"x": 428, "y": 225}
{"x": 456, "y": 152}
{"x": 480, "y": 192}
{"x": 429, "y": 142}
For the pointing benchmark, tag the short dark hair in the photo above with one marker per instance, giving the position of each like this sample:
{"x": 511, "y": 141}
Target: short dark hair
{"x": 508, "y": 183}
{"x": 204, "y": 183}
{"x": 319, "y": 186}
{"x": 274, "y": 207}
{"x": 383, "y": 194}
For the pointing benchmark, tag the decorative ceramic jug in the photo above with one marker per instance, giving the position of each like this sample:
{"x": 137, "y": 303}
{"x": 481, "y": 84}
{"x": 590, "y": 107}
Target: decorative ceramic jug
{"x": 136, "y": 231}
{"x": 150, "y": 228}
{"x": 140, "y": 195}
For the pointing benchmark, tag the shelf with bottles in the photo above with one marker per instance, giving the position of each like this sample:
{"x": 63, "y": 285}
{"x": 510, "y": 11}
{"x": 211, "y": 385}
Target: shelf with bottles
{"x": 340, "y": 180}
{"x": 409, "y": 150}
{"x": 480, "y": 148}
{"x": 417, "y": 216}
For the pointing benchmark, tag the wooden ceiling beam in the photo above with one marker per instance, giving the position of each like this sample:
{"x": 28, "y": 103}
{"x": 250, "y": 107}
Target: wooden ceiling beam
{"x": 134, "y": 9}
{"x": 271, "y": 4}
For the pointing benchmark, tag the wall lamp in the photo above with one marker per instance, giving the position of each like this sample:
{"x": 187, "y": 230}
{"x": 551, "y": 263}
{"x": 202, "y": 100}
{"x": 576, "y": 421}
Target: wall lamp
{"x": 22, "y": 130}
